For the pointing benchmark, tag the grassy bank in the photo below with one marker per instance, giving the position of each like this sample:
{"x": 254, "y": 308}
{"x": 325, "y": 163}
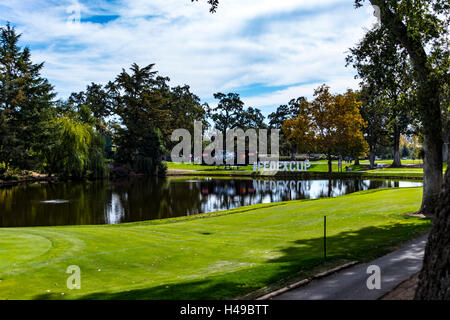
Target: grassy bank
{"x": 318, "y": 170}
{"x": 25, "y": 177}
{"x": 220, "y": 255}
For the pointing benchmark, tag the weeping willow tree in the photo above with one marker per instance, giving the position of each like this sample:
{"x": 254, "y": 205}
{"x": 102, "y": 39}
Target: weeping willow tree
{"x": 75, "y": 150}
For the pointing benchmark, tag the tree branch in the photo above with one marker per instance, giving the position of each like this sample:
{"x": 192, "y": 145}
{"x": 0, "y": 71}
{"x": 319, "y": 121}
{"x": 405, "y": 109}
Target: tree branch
{"x": 398, "y": 29}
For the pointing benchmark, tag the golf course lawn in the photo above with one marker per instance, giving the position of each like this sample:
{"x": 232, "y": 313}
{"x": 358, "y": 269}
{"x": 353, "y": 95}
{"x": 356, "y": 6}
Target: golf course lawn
{"x": 220, "y": 255}
{"x": 316, "y": 167}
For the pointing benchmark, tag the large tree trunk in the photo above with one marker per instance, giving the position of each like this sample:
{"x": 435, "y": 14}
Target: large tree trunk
{"x": 445, "y": 155}
{"x": 428, "y": 102}
{"x": 357, "y": 161}
{"x": 432, "y": 163}
{"x": 330, "y": 164}
{"x": 435, "y": 276}
{"x": 447, "y": 144}
{"x": 434, "y": 279}
{"x": 372, "y": 156}
{"x": 293, "y": 151}
{"x": 397, "y": 160}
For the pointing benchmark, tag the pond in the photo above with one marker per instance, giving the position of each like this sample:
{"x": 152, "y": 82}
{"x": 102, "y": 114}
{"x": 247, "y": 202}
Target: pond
{"x": 112, "y": 202}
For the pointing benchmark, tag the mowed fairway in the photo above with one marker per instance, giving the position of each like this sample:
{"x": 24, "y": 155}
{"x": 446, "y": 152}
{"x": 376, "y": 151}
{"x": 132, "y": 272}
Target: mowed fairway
{"x": 216, "y": 256}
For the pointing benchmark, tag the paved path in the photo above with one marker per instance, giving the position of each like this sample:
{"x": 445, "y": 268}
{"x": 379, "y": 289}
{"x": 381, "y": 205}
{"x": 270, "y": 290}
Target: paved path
{"x": 350, "y": 284}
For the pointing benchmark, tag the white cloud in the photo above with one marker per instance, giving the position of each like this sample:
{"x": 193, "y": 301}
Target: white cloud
{"x": 273, "y": 43}
{"x": 266, "y": 101}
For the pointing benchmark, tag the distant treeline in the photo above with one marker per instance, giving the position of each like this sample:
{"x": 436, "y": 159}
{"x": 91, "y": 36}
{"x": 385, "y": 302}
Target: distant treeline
{"x": 126, "y": 123}
{"x": 125, "y": 126}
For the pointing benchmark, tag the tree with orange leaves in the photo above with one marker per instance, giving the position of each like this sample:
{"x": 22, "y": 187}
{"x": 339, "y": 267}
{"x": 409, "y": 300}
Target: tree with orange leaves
{"x": 330, "y": 124}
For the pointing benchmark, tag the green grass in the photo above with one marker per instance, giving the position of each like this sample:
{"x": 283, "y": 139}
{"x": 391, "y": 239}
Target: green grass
{"x": 189, "y": 166}
{"x": 322, "y": 166}
{"x": 401, "y": 172}
{"x": 396, "y": 172}
{"x": 316, "y": 167}
{"x": 220, "y": 255}
{"x": 211, "y": 170}
{"x": 420, "y": 170}
{"x": 389, "y": 161}
{"x": 198, "y": 167}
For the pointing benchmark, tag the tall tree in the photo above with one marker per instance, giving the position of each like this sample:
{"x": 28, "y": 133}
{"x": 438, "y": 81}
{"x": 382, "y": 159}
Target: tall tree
{"x": 415, "y": 25}
{"x": 298, "y": 126}
{"x": 372, "y": 111}
{"x": 445, "y": 105}
{"x": 330, "y": 124}
{"x": 184, "y": 108}
{"x": 74, "y": 149}
{"x": 26, "y": 100}
{"x": 384, "y": 67}
{"x": 277, "y": 118}
{"x": 284, "y": 112}
{"x": 139, "y": 102}
{"x": 434, "y": 278}
{"x": 230, "y": 114}
{"x": 252, "y": 118}
{"x": 98, "y": 103}
{"x": 227, "y": 114}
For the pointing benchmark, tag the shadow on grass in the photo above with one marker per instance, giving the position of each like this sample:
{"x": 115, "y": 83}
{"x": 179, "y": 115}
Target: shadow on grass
{"x": 301, "y": 258}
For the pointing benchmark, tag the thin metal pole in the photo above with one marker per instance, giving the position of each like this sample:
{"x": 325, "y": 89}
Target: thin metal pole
{"x": 325, "y": 237}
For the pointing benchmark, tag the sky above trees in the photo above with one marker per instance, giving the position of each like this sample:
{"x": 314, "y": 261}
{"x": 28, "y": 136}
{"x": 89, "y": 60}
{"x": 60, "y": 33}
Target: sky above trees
{"x": 269, "y": 53}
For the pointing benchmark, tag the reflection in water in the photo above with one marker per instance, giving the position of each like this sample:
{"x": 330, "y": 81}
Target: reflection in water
{"x": 111, "y": 202}
{"x": 55, "y": 201}
{"x": 114, "y": 210}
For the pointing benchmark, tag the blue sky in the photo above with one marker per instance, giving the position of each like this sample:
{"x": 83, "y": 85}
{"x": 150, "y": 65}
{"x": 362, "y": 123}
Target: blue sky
{"x": 268, "y": 51}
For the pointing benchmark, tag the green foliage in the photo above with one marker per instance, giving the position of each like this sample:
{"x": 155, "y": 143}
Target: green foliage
{"x": 330, "y": 124}
{"x": 252, "y": 118}
{"x": 184, "y": 108}
{"x": 97, "y": 161}
{"x": 25, "y": 103}
{"x": 284, "y": 112}
{"x": 92, "y": 105}
{"x": 227, "y": 114}
{"x": 388, "y": 89}
{"x": 231, "y": 114}
{"x": 372, "y": 111}
{"x": 150, "y": 150}
{"x": 277, "y": 118}
{"x": 139, "y": 100}
{"x": 406, "y": 153}
{"x": 75, "y": 149}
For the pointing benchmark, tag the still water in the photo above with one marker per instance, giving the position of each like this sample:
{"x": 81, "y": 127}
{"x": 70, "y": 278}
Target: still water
{"x": 111, "y": 202}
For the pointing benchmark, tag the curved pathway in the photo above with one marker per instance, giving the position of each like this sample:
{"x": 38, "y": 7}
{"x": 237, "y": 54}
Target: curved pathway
{"x": 351, "y": 283}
